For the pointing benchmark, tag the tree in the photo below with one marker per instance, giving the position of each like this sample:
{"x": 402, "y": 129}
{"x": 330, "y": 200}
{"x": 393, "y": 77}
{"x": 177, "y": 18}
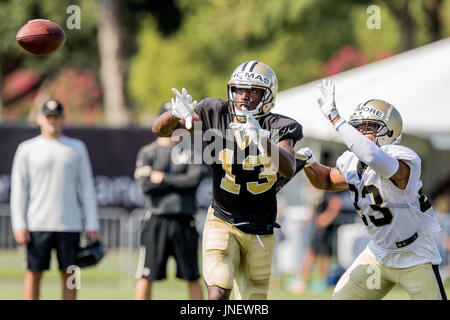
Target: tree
{"x": 111, "y": 67}
{"x": 400, "y": 9}
{"x": 432, "y": 10}
{"x": 116, "y": 19}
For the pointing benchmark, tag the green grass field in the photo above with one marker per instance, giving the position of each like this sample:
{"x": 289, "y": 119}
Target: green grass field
{"x": 113, "y": 279}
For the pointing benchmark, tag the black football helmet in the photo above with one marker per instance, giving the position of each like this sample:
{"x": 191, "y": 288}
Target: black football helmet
{"x": 90, "y": 253}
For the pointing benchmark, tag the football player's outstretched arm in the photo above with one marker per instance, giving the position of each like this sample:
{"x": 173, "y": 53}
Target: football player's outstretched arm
{"x": 181, "y": 115}
{"x": 167, "y": 123}
{"x": 368, "y": 152}
{"x": 365, "y": 149}
{"x": 325, "y": 178}
{"x": 321, "y": 176}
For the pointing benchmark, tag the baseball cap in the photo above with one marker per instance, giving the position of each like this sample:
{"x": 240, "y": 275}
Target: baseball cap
{"x": 52, "y": 106}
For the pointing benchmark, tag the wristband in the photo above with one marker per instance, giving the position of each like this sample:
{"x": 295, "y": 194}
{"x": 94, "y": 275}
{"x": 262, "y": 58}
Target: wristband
{"x": 337, "y": 124}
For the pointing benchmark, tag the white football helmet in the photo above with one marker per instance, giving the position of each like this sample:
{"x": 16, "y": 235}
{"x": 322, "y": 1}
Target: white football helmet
{"x": 384, "y": 115}
{"x": 253, "y": 74}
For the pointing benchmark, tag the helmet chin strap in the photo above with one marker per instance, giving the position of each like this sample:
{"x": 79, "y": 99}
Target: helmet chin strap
{"x": 376, "y": 141}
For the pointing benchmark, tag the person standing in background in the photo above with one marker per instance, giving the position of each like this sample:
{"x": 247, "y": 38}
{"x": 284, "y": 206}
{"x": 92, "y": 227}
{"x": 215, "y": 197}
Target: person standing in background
{"x": 51, "y": 176}
{"x": 169, "y": 180}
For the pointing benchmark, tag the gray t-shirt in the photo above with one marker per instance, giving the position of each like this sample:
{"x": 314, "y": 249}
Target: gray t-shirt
{"x": 52, "y": 187}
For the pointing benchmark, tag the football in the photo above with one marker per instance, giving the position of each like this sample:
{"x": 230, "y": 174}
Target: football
{"x": 41, "y": 37}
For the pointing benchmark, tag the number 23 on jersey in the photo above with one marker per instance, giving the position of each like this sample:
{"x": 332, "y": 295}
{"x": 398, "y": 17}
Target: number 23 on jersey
{"x": 376, "y": 205}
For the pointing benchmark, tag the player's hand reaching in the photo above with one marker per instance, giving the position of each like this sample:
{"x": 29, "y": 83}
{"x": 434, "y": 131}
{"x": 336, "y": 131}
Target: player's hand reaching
{"x": 327, "y": 101}
{"x": 183, "y": 107}
{"x": 251, "y": 129}
{"x": 306, "y": 155}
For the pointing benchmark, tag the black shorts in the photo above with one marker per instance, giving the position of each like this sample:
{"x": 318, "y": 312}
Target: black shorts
{"x": 322, "y": 241}
{"x": 40, "y": 247}
{"x": 164, "y": 236}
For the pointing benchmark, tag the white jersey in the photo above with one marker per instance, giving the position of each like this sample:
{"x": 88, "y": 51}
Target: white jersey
{"x": 50, "y": 179}
{"x": 400, "y": 222}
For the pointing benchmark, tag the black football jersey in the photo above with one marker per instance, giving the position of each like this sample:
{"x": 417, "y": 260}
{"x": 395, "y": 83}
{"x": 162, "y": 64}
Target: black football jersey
{"x": 244, "y": 180}
{"x": 176, "y": 193}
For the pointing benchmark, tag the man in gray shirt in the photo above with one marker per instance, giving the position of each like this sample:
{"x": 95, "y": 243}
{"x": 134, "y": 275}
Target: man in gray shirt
{"x": 51, "y": 177}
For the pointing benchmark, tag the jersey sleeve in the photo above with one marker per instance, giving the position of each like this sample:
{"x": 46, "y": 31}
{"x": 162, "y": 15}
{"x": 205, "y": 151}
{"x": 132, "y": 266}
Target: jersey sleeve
{"x": 182, "y": 181}
{"x": 343, "y": 163}
{"x": 292, "y": 131}
{"x": 19, "y": 190}
{"x": 143, "y": 166}
{"x": 86, "y": 189}
{"x": 283, "y": 128}
{"x": 409, "y": 157}
{"x": 210, "y": 110}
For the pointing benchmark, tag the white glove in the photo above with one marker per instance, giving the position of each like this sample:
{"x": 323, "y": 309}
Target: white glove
{"x": 306, "y": 154}
{"x": 251, "y": 129}
{"x": 183, "y": 107}
{"x": 327, "y": 102}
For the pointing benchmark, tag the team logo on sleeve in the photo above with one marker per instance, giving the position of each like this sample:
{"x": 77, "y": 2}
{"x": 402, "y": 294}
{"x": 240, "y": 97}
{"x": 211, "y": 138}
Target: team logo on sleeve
{"x": 292, "y": 130}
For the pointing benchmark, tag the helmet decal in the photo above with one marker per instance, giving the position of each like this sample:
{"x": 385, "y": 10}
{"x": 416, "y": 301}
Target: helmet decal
{"x": 382, "y": 114}
{"x": 251, "y": 64}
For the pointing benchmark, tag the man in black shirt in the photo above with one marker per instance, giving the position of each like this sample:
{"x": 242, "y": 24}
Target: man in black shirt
{"x": 250, "y": 150}
{"x": 169, "y": 179}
